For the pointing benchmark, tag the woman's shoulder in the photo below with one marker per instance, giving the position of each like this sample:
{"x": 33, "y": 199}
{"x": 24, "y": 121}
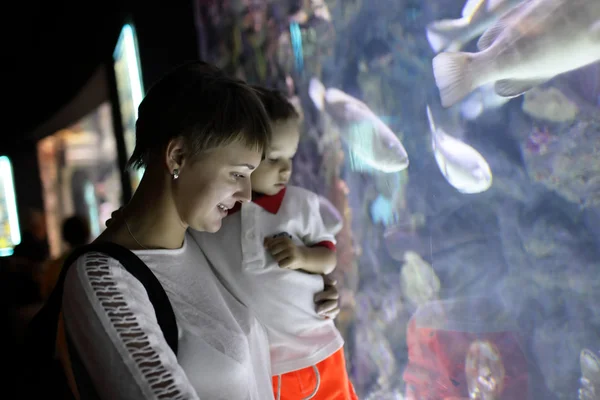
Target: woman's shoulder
{"x": 96, "y": 275}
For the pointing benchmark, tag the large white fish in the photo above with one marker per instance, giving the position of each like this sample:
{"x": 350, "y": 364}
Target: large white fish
{"x": 529, "y": 45}
{"x": 462, "y": 166}
{"x": 477, "y": 17}
{"x": 482, "y": 99}
{"x": 371, "y": 142}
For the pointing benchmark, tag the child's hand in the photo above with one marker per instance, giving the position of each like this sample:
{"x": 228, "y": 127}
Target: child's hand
{"x": 285, "y": 252}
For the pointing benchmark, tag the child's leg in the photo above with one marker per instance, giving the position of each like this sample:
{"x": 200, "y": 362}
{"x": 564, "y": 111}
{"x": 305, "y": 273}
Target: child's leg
{"x": 335, "y": 383}
{"x": 296, "y": 385}
{"x": 328, "y": 380}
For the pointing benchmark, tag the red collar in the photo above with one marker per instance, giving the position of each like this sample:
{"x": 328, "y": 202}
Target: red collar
{"x": 269, "y": 203}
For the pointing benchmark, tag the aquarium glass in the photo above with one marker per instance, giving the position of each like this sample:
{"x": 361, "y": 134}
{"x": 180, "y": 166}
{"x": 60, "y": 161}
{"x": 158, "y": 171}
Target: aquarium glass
{"x": 456, "y": 149}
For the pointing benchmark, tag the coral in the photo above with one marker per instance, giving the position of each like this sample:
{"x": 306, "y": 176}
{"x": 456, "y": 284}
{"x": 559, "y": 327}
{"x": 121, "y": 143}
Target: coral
{"x": 418, "y": 280}
{"x": 549, "y": 104}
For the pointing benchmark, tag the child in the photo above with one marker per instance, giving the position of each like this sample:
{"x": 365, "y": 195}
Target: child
{"x": 282, "y": 246}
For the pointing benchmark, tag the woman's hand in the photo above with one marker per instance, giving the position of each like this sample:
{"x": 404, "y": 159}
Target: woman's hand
{"x": 328, "y": 301}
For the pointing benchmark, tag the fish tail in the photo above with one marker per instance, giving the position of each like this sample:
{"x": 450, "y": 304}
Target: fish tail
{"x": 441, "y": 34}
{"x": 453, "y": 76}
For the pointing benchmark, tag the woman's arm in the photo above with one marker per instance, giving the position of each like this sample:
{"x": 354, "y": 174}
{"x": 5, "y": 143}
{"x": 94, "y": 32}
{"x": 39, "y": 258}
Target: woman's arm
{"x": 328, "y": 301}
{"x": 112, "y": 325}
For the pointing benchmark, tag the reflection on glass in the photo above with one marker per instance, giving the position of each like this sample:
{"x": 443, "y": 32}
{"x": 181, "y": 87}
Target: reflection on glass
{"x": 498, "y": 210}
{"x": 10, "y": 232}
{"x": 130, "y": 88}
{"x": 80, "y": 174}
{"x": 92, "y": 205}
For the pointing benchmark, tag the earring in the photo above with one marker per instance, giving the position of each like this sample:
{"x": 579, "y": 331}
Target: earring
{"x": 175, "y": 173}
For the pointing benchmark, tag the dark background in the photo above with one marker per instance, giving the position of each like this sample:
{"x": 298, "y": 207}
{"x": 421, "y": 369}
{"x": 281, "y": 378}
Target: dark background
{"x": 53, "y": 48}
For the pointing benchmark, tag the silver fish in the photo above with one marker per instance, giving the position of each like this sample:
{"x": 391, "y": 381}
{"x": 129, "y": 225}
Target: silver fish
{"x": 461, "y": 165}
{"x": 589, "y": 388}
{"x": 371, "y": 142}
{"x": 477, "y": 16}
{"x": 529, "y": 45}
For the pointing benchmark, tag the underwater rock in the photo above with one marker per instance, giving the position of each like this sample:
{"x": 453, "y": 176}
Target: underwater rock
{"x": 565, "y": 160}
{"x": 586, "y": 82}
{"x": 556, "y": 346}
{"x": 374, "y": 359}
{"x": 418, "y": 280}
{"x": 550, "y": 105}
{"x": 485, "y": 371}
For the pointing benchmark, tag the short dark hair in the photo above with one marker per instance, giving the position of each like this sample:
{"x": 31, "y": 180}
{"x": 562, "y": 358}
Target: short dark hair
{"x": 278, "y": 107}
{"x": 76, "y": 231}
{"x": 201, "y": 104}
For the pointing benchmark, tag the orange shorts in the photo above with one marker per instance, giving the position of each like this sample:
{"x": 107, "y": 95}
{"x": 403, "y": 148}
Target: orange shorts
{"x": 328, "y": 380}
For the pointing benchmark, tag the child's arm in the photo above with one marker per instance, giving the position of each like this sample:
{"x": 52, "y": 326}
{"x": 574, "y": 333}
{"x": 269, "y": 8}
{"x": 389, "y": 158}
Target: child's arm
{"x": 317, "y": 259}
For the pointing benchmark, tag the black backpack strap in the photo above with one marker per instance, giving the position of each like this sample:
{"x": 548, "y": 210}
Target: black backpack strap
{"x": 132, "y": 263}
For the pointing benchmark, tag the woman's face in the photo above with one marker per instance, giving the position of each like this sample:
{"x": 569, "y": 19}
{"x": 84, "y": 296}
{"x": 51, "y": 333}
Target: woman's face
{"x": 212, "y": 184}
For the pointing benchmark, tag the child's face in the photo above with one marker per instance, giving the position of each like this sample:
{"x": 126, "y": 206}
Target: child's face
{"x": 275, "y": 170}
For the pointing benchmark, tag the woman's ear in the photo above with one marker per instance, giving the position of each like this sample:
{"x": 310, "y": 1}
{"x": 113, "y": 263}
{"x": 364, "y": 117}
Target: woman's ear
{"x": 175, "y": 154}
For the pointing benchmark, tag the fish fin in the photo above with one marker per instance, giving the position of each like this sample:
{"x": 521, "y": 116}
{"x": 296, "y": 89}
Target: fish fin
{"x": 472, "y": 8}
{"x": 357, "y": 163}
{"x": 441, "y": 34}
{"x": 442, "y": 164}
{"x": 453, "y": 76}
{"x": 514, "y": 88}
{"x": 431, "y": 121}
{"x": 492, "y": 33}
{"x": 493, "y": 4}
{"x": 316, "y": 92}
{"x": 595, "y": 30}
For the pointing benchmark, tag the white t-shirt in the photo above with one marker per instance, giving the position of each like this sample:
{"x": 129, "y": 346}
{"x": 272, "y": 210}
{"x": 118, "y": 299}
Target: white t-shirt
{"x": 222, "y": 352}
{"x": 282, "y": 299}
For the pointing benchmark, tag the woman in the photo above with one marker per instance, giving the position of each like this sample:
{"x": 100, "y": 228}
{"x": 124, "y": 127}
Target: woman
{"x": 199, "y": 135}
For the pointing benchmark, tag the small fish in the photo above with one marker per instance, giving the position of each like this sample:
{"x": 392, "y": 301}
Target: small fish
{"x": 477, "y": 17}
{"x": 484, "y": 370}
{"x": 371, "y": 142}
{"x": 533, "y": 42}
{"x": 462, "y": 166}
{"x": 482, "y": 99}
{"x": 589, "y": 388}
{"x": 332, "y": 219}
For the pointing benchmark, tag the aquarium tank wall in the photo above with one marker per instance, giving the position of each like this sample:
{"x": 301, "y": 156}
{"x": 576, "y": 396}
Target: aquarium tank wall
{"x": 457, "y": 144}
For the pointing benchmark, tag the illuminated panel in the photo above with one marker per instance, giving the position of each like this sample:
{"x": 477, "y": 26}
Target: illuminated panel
{"x": 130, "y": 88}
{"x": 10, "y": 233}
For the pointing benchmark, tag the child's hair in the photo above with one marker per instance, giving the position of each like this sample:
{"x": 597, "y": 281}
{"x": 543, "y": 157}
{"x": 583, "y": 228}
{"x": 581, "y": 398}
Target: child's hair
{"x": 208, "y": 109}
{"x": 278, "y": 107}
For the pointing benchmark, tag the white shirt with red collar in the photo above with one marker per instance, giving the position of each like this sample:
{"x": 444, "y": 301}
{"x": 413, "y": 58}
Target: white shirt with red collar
{"x": 282, "y": 299}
